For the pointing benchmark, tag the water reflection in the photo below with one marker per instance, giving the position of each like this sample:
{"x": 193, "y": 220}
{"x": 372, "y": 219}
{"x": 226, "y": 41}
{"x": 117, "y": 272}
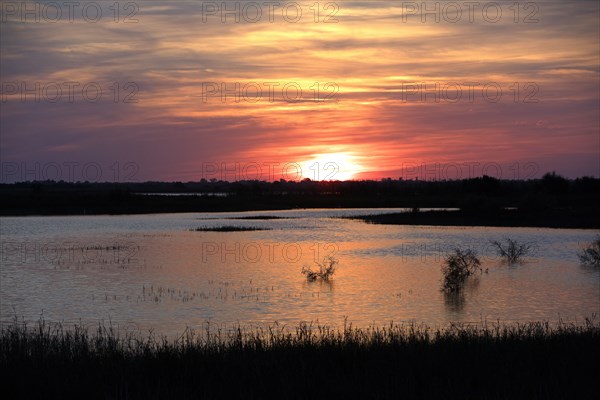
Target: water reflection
{"x": 455, "y": 301}
{"x": 319, "y": 287}
{"x": 150, "y": 270}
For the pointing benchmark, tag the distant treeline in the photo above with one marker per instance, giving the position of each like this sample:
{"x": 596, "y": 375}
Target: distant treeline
{"x": 549, "y": 193}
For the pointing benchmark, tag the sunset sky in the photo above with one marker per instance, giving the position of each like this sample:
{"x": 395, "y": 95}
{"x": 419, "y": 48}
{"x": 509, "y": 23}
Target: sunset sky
{"x": 368, "y": 121}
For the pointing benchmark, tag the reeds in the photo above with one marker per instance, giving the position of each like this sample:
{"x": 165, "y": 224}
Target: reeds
{"x": 492, "y": 361}
{"x": 46, "y": 339}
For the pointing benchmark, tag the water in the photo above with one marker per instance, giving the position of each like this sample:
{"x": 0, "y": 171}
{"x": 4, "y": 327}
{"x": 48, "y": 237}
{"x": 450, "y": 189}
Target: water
{"x": 152, "y": 272}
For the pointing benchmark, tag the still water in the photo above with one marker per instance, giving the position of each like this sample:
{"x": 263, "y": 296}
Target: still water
{"x": 152, "y": 272}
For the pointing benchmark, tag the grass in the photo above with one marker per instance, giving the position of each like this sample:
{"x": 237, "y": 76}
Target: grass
{"x": 511, "y": 250}
{"x": 250, "y": 217}
{"x": 487, "y": 361}
{"x": 457, "y": 267}
{"x": 229, "y": 229}
{"x": 260, "y": 217}
{"x": 591, "y": 254}
{"x": 326, "y": 269}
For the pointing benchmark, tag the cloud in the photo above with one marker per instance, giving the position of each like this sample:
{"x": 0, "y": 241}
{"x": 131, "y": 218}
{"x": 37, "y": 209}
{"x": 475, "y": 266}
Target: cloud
{"x": 371, "y": 54}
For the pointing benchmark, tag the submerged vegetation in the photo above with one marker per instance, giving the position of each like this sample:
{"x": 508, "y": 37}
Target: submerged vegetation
{"x": 229, "y": 229}
{"x": 326, "y": 269}
{"x": 249, "y": 217}
{"x": 511, "y": 250}
{"x": 457, "y": 267}
{"x": 260, "y": 217}
{"x": 591, "y": 254}
{"x": 491, "y": 361}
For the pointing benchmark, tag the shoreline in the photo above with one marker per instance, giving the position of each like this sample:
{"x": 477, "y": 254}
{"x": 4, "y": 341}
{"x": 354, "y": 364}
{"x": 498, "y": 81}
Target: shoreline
{"x": 507, "y": 218}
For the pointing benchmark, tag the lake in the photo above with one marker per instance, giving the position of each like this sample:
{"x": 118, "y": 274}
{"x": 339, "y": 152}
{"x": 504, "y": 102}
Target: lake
{"x": 152, "y": 272}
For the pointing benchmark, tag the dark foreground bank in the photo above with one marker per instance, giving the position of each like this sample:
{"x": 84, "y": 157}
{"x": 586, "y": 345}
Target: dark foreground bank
{"x": 531, "y": 361}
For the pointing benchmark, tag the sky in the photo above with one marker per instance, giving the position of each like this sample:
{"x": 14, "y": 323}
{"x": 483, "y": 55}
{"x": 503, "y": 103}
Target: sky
{"x": 185, "y": 90}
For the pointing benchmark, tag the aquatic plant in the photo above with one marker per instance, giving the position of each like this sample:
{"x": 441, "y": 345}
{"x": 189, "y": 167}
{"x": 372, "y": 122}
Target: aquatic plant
{"x": 511, "y": 250}
{"x": 591, "y": 254}
{"x": 229, "y": 229}
{"x": 326, "y": 269}
{"x": 457, "y": 267}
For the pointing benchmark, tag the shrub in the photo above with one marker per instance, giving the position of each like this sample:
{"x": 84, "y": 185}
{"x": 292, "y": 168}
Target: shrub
{"x": 591, "y": 254}
{"x": 326, "y": 269}
{"x": 457, "y": 267}
{"x": 511, "y": 249}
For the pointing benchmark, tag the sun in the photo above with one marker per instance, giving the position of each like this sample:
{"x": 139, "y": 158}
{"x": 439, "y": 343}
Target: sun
{"x": 331, "y": 167}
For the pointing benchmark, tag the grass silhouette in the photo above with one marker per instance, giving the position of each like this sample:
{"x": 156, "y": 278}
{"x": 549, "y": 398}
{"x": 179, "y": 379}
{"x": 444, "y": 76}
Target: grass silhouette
{"x": 491, "y": 361}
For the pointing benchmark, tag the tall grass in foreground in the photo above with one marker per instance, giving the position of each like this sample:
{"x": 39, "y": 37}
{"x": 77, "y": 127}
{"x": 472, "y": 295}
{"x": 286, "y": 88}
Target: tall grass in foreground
{"x": 489, "y": 361}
